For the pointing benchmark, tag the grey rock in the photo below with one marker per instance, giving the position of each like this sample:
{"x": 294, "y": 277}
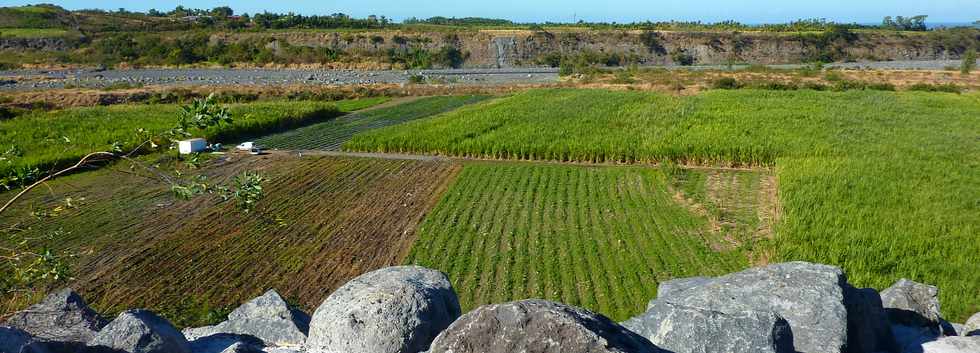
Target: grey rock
{"x": 395, "y": 309}
{"x": 958, "y": 329}
{"x": 955, "y": 344}
{"x": 13, "y": 340}
{"x": 810, "y": 297}
{"x": 537, "y": 326}
{"x": 668, "y": 288}
{"x": 62, "y": 316}
{"x": 240, "y": 347}
{"x": 681, "y": 329}
{"x": 911, "y": 303}
{"x": 141, "y": 331}
{"x": 268, "y": 318}
{"x": 219, "y": 342}
{"x": 972, "y": 325}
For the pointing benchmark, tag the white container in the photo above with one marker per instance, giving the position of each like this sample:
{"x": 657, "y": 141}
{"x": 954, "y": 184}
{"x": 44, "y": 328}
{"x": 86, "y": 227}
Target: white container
{"x": 246, "y": 146}
{"x": 192, "y": 146}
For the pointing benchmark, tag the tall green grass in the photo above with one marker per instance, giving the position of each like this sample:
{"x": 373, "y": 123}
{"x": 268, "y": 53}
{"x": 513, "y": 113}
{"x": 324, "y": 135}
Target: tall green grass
{"x": 49, "y": 139}
{"x": 330, "y": 135}
{"x": 597, "y": 237}
{"x": 884, "y": 184}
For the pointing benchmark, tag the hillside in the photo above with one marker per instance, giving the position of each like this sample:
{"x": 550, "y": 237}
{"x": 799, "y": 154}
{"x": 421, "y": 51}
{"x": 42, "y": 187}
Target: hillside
{"x": 135, "y": 39}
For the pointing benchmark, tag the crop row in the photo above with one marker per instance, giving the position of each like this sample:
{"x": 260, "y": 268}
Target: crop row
{"x": 883, "y": 184}
{"x": 331, "y": 134}
{"x": 601, "y": 237}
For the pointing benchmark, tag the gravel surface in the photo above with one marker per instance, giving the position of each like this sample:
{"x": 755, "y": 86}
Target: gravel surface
{"x": 19, "y": 80}
{"x": 42, "y": 79}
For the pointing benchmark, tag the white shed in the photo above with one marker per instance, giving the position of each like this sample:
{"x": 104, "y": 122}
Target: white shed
{"x": 192, "y": 146}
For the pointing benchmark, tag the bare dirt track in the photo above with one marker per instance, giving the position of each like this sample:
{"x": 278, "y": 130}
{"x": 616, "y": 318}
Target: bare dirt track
{"x": 325, "y": 220}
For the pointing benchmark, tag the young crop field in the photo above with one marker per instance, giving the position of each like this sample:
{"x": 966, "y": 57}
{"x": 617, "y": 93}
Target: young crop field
{"x": 330, "y": 135}
{"x": 883, "y": 184}
{"x": 597, "y": 237}
{"x": 324, "y": 220}
{"x": 52, "y": 138}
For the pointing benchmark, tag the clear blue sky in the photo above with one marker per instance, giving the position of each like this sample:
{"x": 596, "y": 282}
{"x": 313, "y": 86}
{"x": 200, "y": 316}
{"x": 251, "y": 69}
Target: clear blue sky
{"x": 749, "y": 11}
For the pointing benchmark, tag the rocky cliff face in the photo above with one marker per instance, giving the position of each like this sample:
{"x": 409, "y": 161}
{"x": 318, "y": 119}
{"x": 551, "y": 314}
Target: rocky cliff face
{"x": 501, "y": 48}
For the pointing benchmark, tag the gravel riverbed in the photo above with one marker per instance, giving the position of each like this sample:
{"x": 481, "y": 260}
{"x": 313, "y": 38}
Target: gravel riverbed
{"x": 21, "y": 80}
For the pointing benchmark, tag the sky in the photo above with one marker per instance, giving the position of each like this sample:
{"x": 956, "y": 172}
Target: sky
{"x": 746, "y": 11}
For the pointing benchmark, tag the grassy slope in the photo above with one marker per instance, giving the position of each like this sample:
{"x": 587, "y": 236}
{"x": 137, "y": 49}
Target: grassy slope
{"x": 598, "y": 237}
{"x": 883, "y": 184}
{"x": 324, "y": 221}
{"x": 47, "y": 138}
{"x": 329, "y": 135}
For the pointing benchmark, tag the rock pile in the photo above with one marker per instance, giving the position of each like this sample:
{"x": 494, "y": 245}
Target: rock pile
{"x": 789, "y": 307}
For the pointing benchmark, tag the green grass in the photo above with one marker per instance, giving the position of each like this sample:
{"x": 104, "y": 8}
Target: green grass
{"x": 883, "y": 184}
{"x": 48, "y": 139}
{"x": 329, "y": 135}
{"x": 32, "y": 33}
{"x": 597, "y": 237}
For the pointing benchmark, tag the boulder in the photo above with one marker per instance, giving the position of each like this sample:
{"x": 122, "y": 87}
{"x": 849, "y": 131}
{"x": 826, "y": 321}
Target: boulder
{"x": 681, "y": 329}
{"x": 140, "y": 331}
{"x": 814, "y": 299}
{"x": 268, "y": 318}
{"x": 914, "y": 304}
{"x": 62, "y": 316}
{"x": 219, "y": 342}
{"x": 665, "y": 289}
{"x": 955, "y": 344}
{"x": 14, "y": 340}
{"x": 395, "y": 309}
{"x": 958, "y": 329}
{"x": 537, "y": 326}
{"x": 240, "y": 347}
{"x": 972, "y": 326}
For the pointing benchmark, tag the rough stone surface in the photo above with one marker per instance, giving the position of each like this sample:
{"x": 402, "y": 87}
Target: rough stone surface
{"x": 912, "y": 304}
{"x": 537, "y": 326}
{"x": 13, "y": 340}
{"x": 955, "y": 344}
{"x": 239, "y": 347}
{"x": 665, "y": 289}
{"x": 141, "y": 331}
{"x": 395, "y": 309}
{"x": 681, "y": 329}
{"x": 810, "y": 297}
{"x": 268, "y": 318}
{"x": 62, "y": 316}
{"x": 972, "y": 325}
{"x": 958, "y": 329}
{"x": 219, "y": 342}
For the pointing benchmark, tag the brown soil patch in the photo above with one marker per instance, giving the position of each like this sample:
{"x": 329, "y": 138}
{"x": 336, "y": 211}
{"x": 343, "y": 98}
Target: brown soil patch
{"x": 325, "y": 220}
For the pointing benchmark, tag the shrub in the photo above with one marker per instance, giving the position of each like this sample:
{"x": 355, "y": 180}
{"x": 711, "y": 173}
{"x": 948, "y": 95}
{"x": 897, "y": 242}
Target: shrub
{"x": 681, "y": 57}
{"x": 449, "y": 56}
{"x": 969, "y": 62}
{"x": 816, "y": 86}
{"x": 623, "y": 77}
{"x": 416, "y": 79}
{"x": 925, "y": 87}
{"x": 726, "y": 83}
{"x": 775, "y": 86}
